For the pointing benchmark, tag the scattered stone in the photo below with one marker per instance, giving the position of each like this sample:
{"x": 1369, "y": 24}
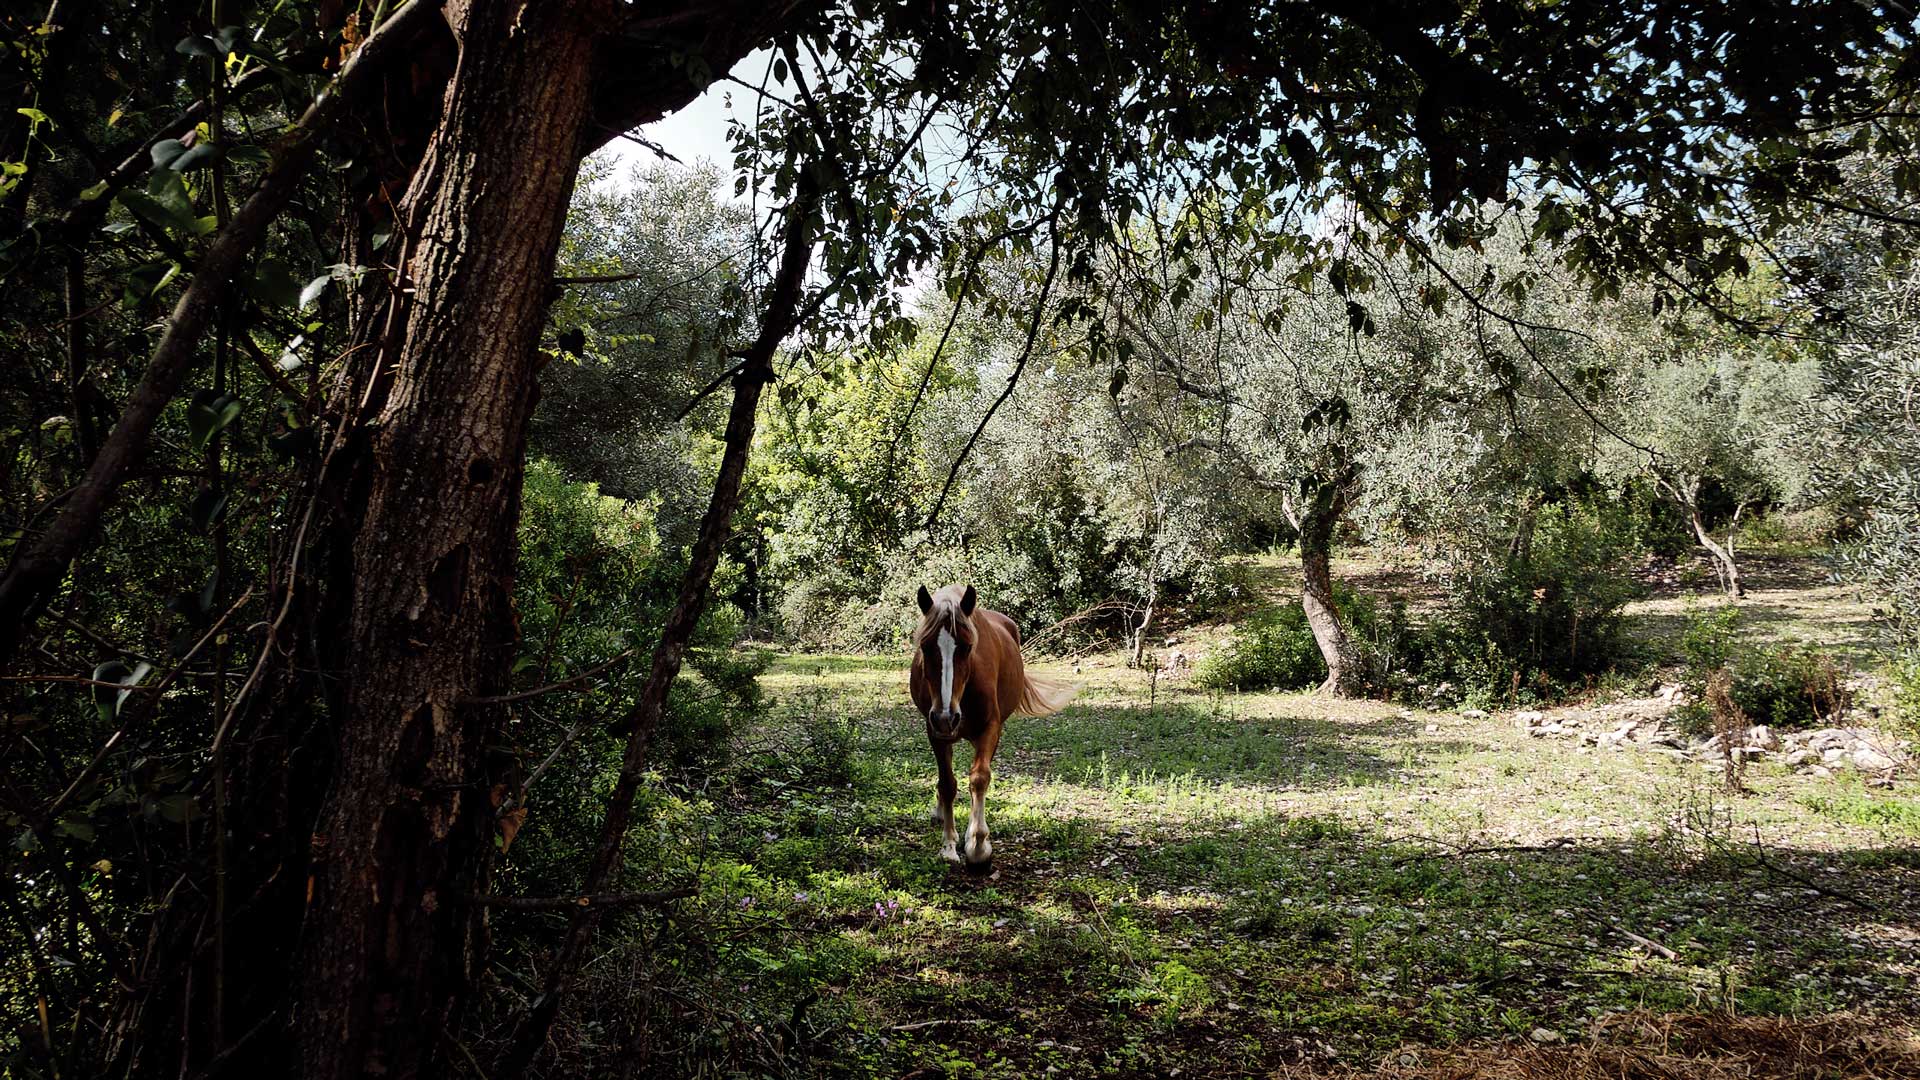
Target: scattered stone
{"x": 1829, "y": 739}
{"x": 1833, "y": 755}
{"x": 1800, "y": 757}
{"x": 1527, "y": 718}
{"x": 1872, "y": 760}
{"x": 1546, "y": 1035}
{"x": 1431, "y": 728}
{"x": 1474, "y": 714}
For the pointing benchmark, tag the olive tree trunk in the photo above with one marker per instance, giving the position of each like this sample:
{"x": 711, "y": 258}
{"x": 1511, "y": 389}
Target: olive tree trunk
{"x": 1319, "y": 513}
{"x": 1686, "y": 492}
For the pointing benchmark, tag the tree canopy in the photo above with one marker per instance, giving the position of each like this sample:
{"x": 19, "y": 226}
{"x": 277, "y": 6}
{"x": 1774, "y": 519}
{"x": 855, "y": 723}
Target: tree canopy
{"x": 285, "y": 284}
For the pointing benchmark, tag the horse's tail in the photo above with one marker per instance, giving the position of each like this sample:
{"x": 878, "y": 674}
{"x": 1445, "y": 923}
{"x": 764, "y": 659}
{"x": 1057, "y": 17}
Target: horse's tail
{"x": 1044, "y": 697}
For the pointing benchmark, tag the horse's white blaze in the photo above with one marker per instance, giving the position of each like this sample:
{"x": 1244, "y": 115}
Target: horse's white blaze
{"x": 946, "y": 668}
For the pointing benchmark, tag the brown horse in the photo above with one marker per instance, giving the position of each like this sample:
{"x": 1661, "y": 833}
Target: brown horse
{"x": 967, "y": 677}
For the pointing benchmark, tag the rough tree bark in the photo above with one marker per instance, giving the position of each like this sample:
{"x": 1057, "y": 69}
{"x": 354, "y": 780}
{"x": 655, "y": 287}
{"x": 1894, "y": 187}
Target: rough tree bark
{"x": 392, "y": 940}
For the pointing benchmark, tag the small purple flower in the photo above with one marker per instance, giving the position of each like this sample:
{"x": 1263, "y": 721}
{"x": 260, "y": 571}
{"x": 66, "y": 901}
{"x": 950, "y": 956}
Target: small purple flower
{"x": 800, "y": 897}
{"x": 769, "y": 836}
{"x": 746, "y": 902}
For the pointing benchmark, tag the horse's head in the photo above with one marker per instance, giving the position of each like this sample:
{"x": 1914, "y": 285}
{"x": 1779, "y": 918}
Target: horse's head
{"x": 945, "y": 640}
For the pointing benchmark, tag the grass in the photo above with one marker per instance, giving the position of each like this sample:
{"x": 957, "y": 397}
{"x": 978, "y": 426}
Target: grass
{"x": 1226, "y": 885}
{"x": 1234, "y": 885}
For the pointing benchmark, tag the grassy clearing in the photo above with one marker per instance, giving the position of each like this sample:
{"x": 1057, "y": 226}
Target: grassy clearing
{"x": 1232, "y": 885}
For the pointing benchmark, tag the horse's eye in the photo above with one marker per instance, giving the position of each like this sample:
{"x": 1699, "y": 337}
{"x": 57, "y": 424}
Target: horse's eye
{"x": 962, "y": 650}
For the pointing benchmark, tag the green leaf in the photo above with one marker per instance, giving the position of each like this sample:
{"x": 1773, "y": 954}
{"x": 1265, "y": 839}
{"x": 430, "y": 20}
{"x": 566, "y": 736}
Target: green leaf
{"x": 144, "y": 281}
{"x": 74, "y": 828}
{"x": 166, "y": 152}
{"x": 165, "y": 202}
{"x": 178, "y": 808}
{"x": 199, "y": 155}
{"x": 207, "y": 414}
{"x": 274, "y": 283}
{"x": 140, "y": 671}
{"x": 34, "y": 115}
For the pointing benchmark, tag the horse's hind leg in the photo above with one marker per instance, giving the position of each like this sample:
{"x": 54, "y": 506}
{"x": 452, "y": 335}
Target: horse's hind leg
{"x": 980, "y": 778}
{"x": 943, "y": 802}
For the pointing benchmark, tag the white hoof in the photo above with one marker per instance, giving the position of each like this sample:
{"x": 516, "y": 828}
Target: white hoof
{"x": 951, "y": 854}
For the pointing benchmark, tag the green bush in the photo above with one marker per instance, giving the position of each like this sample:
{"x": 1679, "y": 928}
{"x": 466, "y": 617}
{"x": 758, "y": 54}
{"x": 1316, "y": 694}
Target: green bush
{"x": 1274, "y": 649}
{"x": 1787, "y": 686}
{"x": 1527, "y": 624}
{"x": 1904, "y": 673}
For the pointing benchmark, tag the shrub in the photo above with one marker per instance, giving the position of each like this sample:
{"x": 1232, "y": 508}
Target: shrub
{"x": 1788, "y": 686}
{"x": 1904, "y": 673}
{"x": 1526, "y": 623}
{"x": 1274, "y": 649}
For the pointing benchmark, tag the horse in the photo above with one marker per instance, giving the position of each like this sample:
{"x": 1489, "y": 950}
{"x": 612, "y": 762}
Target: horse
{"x": 966, "y": 679}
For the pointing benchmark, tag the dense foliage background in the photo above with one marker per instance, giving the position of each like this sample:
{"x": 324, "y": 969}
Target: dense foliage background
{"x": 396, "y": 541}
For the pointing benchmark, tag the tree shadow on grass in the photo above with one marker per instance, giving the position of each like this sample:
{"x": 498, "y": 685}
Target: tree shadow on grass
{"x": 1855, "y": 637}
{"x": 1240, "y": 946}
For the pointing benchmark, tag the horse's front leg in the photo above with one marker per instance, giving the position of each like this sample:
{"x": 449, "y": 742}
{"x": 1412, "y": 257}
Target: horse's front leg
{"x": 943, "y": 801}
{"x": 980, "y": 778}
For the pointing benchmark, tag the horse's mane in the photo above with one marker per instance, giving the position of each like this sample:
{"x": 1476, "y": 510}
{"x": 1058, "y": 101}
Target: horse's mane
{"x": 946, "y": 608}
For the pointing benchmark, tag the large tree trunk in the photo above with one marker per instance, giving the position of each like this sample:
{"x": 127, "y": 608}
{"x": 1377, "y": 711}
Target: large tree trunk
{"x": 1318, "y": 515}
{"x": 392, "y": 940}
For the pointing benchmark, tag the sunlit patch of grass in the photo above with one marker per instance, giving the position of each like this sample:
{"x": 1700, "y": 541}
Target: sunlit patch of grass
{"x": 1897, "y": 815}
{"x": 1195, "y": 880}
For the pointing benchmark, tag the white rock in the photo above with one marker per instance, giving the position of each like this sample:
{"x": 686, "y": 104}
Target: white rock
{"x": 1866, "y": 757}
{"x": 1546, "y": 1035}
{"x": 1833, "y": 755}
{"x": 1528, "y": 718}
{"x": 1828, "y": 739}
{"x": 1762, "y": 736}
{"x": 1474, "y": 714}
{"x": 1431, "y": 728}
{"x": 1800, "y": 757}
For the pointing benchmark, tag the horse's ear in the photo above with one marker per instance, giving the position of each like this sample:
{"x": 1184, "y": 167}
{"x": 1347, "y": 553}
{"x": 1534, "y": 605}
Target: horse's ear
{"x": 968, "y": 600}
{"x": 926, "y": 600}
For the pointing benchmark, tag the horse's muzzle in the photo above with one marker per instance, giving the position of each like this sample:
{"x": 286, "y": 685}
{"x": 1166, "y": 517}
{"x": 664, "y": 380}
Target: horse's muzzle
{"x": 943, "y": 725}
